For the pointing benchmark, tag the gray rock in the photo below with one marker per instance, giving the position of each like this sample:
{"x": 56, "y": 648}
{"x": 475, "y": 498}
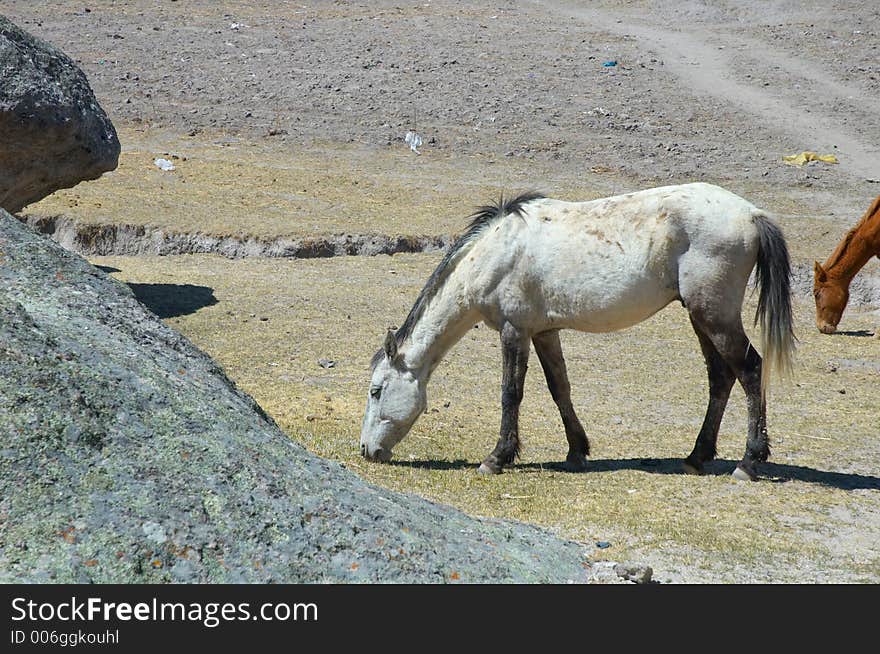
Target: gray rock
{"x": 635, "y": 572}
{"x": 52, "y": 130}
{"x": 156, "y": 468}
{"x": 154, "y": 532}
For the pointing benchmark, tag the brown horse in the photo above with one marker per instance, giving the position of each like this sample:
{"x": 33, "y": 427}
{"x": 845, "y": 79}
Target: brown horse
{"x": 831, "y": 281}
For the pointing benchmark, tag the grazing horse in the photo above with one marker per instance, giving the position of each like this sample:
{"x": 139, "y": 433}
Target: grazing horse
{"x": 531, "y": 266}
{"x": 831, "y": 281}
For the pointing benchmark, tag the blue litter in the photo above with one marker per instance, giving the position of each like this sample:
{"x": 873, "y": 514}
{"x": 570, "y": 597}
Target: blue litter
{"x": 609, "y": 64}
{"x": 603, "y": 544}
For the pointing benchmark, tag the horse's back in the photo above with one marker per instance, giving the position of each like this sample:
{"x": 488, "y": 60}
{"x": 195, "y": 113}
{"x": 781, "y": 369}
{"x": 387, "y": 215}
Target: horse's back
{"x": 607, "y": 264}
{"x": 694, "y": 206}
{"x": 644, "y": 231}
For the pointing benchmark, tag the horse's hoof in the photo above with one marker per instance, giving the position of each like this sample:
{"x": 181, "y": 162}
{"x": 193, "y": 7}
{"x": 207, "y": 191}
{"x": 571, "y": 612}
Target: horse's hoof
{"x": 743, "y": 475}
{"x": 691, "y": 469}
{"x": 488, "y": 470}
{"x": 575, "y": 464}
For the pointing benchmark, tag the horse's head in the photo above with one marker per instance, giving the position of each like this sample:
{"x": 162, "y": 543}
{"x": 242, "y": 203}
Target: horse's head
{"x": 831, "y": 298}
{"x": 397, "y": 397}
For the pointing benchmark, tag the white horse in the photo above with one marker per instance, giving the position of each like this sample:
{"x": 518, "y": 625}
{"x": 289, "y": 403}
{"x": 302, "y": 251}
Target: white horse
{"x": 531, "y": 266}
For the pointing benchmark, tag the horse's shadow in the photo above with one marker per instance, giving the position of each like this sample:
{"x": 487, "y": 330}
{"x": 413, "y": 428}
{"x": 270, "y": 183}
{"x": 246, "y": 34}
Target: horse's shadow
{"x": 859, "y": 333}
{"x": 772, "y": 472}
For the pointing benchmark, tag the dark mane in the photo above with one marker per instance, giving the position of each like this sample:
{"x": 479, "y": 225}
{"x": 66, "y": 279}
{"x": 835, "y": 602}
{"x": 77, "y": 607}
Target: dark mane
{"x": 482, "y": 217}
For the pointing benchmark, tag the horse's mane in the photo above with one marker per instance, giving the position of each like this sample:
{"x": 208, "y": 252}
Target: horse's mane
{"x": 841, "y": 248}
{"x": 479, "y": 220}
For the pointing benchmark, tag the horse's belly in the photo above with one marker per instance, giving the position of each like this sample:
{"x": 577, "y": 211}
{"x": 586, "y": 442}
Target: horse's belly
{"x": 606, "y": 307}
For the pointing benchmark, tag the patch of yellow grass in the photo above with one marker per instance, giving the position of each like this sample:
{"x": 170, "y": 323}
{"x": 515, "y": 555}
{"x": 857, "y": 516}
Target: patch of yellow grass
{"x": 224, "y": 185}
{"x": 641, "y": 393}
{"x": 268, "y": 188}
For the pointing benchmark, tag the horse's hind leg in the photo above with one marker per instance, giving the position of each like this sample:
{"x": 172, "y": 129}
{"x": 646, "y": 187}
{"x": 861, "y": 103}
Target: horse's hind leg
{"x": 721, "y": 380}
{"x": 515, "y": 359}
{"x": 549, "y": 351}
{"x": 734, "y": 347}
{"x": 758, "y": 443}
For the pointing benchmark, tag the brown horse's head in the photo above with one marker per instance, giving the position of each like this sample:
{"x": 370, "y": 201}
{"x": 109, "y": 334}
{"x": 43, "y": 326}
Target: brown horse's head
{"x": 831, "y": 296}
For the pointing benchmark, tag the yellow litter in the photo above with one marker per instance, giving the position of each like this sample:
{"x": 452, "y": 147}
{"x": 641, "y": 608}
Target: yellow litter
{"x": 804, "y": 157}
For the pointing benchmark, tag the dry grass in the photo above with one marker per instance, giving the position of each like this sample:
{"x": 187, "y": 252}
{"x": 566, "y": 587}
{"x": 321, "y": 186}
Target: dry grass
{"x": 270, "y": 188}
{"x": 641, "y": 393}
{"x": 225, "y": 185}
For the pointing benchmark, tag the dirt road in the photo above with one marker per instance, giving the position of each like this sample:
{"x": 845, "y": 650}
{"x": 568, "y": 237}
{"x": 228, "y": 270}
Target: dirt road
{"x": 710, "y": 90}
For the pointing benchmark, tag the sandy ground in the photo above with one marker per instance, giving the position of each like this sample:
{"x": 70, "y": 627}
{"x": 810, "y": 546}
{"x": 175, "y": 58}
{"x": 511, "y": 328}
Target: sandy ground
{"x": 288, "y": 118}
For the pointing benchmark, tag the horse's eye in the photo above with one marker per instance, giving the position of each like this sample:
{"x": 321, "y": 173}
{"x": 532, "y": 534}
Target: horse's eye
{"x": 376, "y": 392}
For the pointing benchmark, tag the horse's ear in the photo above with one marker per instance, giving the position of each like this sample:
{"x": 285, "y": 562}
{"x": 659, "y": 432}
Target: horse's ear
{"x": 819, "y": 271}
{"x": 390, "y": 345}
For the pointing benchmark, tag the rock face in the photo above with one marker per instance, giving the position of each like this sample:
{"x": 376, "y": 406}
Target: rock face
{"x": 53, "y": 133}
{"x": 126, "y": 455}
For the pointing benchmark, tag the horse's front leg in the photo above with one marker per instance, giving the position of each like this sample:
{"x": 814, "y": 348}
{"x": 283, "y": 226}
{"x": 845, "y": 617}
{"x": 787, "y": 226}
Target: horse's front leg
{"x": 549, "y": 351}
{"x": 515, "y": 359}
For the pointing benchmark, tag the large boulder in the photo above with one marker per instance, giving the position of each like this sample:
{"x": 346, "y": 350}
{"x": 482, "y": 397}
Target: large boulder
{"x": 53, "y": 133}
{"x": 126, "y": 455}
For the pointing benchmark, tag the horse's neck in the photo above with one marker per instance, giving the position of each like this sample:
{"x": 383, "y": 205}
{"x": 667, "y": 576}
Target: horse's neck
{"x": 447, "y": 317}
{"x": 856, "y": 249}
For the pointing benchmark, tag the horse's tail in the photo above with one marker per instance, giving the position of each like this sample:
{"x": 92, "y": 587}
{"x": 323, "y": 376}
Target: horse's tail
{"x": 773, "y": 278}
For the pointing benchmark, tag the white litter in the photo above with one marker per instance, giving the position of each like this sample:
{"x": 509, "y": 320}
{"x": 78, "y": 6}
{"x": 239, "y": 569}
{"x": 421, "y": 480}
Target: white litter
{"x": 414, "y": 141}
{"x": 163, "y": 164}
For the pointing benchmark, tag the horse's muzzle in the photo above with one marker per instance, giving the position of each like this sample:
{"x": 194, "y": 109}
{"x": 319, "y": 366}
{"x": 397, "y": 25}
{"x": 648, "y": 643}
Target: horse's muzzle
{"x": 380, "y": 454}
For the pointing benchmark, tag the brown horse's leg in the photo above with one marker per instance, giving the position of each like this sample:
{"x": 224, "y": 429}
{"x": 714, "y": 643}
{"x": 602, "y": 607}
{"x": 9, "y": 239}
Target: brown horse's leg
{"x": 549, "y": 351}
{"x": 721, "y": 380}
{"x": 515, "y": 358}
{"x": 734, "y": 347}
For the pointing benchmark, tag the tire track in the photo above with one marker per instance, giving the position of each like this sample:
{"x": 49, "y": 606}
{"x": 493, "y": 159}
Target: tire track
{"x": 706, "y": 70}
